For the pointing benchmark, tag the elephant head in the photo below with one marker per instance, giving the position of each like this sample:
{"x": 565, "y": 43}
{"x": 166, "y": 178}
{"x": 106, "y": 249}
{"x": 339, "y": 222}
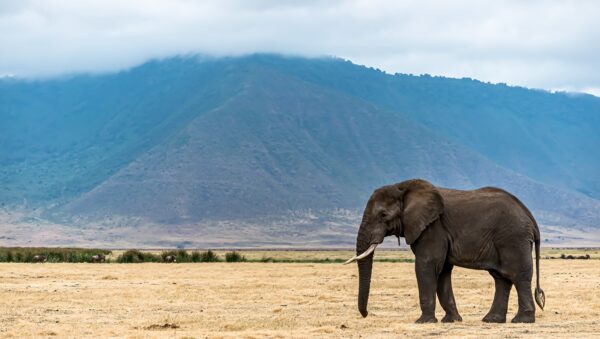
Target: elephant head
{"x": 402, "y": 210}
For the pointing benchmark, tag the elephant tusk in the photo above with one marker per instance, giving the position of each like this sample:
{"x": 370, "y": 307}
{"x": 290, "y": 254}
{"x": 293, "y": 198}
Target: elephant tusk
{"x": 350, "y": 260}
{"x": 370, "y": 250}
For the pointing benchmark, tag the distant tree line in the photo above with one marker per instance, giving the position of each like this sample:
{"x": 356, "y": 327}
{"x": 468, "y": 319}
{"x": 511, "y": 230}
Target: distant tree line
{"x": 91, "y": 255}
{"x": 43, "y": 254}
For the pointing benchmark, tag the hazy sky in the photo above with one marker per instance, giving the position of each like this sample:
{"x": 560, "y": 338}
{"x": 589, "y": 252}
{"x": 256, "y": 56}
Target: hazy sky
{"x": 544, "y": 44}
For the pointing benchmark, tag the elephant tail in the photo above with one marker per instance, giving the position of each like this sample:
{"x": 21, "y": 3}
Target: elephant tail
{"x": 540, "y": 297}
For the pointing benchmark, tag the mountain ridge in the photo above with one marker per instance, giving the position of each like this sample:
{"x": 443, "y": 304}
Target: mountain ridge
{"x": 187, "y": 141}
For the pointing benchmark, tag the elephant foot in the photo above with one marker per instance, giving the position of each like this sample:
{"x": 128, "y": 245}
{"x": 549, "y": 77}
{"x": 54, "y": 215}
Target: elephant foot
{"x": 450, "y": 318}
{"x": 494, "y": 318}
{"x": 524, "y": 317}
{"x": 426, "y": 319}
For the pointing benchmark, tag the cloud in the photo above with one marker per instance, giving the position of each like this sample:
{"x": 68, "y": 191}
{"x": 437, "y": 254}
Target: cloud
{"x": 543, "y": 44}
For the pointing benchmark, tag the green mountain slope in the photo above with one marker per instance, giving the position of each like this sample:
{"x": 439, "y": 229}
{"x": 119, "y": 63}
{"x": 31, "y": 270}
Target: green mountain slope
{"x": 283, "y": 144}
{"x": 184, "y": 140}
{"x": 61, "y": 138}
{"x": 552, "y": 138}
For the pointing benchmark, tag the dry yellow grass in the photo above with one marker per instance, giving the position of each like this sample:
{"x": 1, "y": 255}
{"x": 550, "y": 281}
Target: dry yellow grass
{"x": 273, "y": 300}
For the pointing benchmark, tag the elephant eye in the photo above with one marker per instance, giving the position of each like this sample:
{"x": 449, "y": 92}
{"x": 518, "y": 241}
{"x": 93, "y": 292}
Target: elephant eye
{"x": 383, "y": 215}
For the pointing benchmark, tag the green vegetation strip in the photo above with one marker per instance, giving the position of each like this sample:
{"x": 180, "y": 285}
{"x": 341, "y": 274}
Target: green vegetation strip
{"x": 183, "y": 256}
{"x": 80, "y": 255}
{"x": 321, "y": 261}
{"x": 28, "y": 254}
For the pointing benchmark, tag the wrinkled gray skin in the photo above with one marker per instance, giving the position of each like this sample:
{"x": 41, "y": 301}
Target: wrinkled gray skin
{"x": 484, "y": 229}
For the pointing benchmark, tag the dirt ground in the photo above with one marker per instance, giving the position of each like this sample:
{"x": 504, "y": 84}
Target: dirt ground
{"x": 274, "y": 300}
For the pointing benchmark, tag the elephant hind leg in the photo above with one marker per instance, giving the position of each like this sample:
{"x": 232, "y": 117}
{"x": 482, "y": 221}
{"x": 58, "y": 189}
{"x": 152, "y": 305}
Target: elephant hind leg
{"x": 519, "y": 269}
{"x": 497, "y": 313}
{"x": 526, "y": 312}
{"x": 446, "y": 295}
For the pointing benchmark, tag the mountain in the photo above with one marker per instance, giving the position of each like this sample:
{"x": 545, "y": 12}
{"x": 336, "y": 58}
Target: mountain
{"x": 195, "y": 142}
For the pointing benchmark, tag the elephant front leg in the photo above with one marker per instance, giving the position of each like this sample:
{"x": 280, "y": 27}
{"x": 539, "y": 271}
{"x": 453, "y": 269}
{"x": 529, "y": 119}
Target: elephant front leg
{"x": 446, "y": 295}
{"x": 427, "y": 282}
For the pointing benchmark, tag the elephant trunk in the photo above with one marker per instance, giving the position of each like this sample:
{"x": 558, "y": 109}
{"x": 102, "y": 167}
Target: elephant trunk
{"x": 365, "y": 267}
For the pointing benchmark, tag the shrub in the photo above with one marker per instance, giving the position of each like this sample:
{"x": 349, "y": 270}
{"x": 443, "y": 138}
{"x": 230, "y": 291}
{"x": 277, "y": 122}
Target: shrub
{"x": 135, "y": 256}
{"x": 182, "y": 256}
{"x": 209, "y": 256}
{"x": 266, "y": 259}
{"x": 234, "y": 257}
{"x": 196, "y": 256}
{"x": 54, "y": 259}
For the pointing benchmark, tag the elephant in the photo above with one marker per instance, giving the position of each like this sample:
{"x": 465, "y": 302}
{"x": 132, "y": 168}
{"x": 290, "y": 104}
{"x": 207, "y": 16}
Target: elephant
{"x": 98, "y": 258}
{"x": 170, "y": 259}
{"x": 40, "y": 258}
{"x": 484, "y": 229}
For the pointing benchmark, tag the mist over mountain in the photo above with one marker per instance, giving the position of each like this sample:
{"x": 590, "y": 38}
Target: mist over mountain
{"x": 194, "y": 140}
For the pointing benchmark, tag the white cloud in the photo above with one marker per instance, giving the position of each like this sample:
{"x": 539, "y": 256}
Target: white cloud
{"x": 545, "y": 44}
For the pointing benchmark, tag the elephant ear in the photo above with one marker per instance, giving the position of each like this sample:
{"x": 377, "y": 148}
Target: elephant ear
{"x": 422, "y": 205}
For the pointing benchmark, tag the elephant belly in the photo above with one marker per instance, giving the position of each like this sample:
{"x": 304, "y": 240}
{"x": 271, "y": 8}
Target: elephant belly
{"x": 476, "y": 255}
{"x": 478, "y": 260}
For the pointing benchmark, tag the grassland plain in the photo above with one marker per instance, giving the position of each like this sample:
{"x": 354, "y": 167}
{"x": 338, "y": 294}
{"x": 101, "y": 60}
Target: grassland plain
{"x": 275, "y": 300}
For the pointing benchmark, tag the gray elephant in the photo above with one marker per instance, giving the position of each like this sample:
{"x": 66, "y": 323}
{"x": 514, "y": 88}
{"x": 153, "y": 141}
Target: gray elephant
{"x": 98, "y": 258}
{"x": 485, "y": 229}
{"x": 40, "y": 258}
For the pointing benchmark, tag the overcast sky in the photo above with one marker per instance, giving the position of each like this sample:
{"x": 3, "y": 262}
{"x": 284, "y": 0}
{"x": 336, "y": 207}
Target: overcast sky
{"x": 543, "y": 44}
